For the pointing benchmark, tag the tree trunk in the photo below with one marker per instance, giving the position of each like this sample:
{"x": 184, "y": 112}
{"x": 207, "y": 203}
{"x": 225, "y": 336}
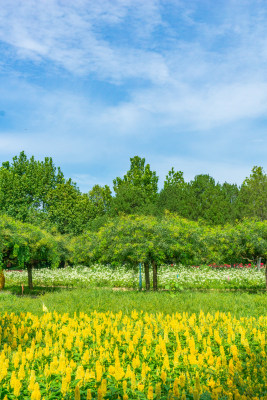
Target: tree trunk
{"x": 146, "y": 264}
{"x": 258, "y": 263}
{"x": 29, "y": 268}
{"x": 155, "y": 275}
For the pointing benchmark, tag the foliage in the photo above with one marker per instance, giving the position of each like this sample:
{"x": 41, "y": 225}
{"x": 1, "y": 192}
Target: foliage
{"x": 133, "y": 239}
{"x": 36, "y": 192}
{"x": 253, "y": 195}
{"x": 243, "y": 242}
{"x": 174, "y": 179}
{"x": 68, "y": 209}
{"x": 101, "y": 198}
{"x": 136, "y": 190}
{"x": 24, "y": 185}
{"x": 25, "y": 246}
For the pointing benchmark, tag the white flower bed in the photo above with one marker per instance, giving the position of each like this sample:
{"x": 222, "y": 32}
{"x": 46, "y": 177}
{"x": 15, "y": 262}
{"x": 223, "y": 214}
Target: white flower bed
{"x": 169, "y": 277}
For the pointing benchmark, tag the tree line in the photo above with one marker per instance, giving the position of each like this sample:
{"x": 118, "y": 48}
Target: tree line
{"x": 132, "y": 239}
{"x": 45, "y": 220}
{"x": 37, "y": 192}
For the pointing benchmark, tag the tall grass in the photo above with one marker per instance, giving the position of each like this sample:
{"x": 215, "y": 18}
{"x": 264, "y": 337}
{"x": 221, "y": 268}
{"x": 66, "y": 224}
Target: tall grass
{"x": 102, "y": 300}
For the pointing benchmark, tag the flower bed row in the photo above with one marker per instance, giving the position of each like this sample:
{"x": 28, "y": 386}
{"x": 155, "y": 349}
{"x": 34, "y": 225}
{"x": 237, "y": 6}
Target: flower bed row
{"x": 170, "y": 277}
{"x": 114, "y": 356}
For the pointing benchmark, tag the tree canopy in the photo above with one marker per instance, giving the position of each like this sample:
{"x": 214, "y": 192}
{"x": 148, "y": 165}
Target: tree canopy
{"x": 37, "y": 192}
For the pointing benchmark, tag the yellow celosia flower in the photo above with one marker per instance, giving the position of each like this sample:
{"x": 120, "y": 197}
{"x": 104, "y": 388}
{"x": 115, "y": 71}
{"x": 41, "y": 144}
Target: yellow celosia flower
{"x": 183, "y": 396}
{"x": 36, "y": 394}
{"x": 32, "y": 381}
{"x": 99, "y": 394}
{"x": 80, "y": 373}
{"x": 104, "y": 386}
{"x": 176, "y": 391}
{"x": 64, "y": 385}
{"x": 182, "y": 380}
{"x": 77, "y": 395}
{"x": 163, "y": 376}
{"x": 150, "y": 394}
{"x": 141, "y": 349}
{"x": 17, "y": 387}
{"x": 140, "y": 387}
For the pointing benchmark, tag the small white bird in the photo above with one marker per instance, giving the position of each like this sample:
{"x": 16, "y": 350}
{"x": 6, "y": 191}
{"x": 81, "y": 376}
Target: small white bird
{"x": 45, "y": 309}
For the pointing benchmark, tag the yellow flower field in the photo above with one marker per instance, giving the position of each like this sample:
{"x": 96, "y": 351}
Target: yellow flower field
{"x": 114, "y": 356}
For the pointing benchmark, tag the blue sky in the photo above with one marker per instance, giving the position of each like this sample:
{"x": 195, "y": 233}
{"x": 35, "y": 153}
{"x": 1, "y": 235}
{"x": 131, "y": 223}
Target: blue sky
{"x": 93, "y": 83}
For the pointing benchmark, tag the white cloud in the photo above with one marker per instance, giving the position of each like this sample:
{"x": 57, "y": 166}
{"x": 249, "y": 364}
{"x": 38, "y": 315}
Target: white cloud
{"x": 210, "y": 78}
{"x": 70, "y": 35}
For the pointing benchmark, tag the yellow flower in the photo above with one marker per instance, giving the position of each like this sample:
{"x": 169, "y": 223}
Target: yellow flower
{"x": 64, "y": 385}
{"x": 183, "y": 396}
{"x": 176, "y": 392}
{"x": 17, "y": 387}
{"x": 124, "y": 386}
{"x": 99, "y": 371}
{"x": 140, "y": 387}
{"x": 32, "y": 381}
{"x": 163, "y": 376}
{"x": 104, "y": 386}
{"x": 150, "y": 393}
{"x": 77, "y": 395}
{"x": 182, "y": 380}
{"x": 80, "y": 373}
{"x": 36, "y": 394}
{"x": 99, "y": 394}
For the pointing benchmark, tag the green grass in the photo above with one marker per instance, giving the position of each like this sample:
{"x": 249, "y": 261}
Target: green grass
{"x": 239, "y": 304}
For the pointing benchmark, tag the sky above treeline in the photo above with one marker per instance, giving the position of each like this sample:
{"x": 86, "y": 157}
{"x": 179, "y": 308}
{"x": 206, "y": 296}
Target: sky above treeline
{"x": 93, "y": 83}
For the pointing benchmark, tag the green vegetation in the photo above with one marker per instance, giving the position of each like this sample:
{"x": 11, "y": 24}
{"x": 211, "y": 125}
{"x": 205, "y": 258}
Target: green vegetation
{"x": 46, "y": 221}
{"x": 133, "y": 239}
{"x": 103, "y": 300}
{"x": 27, "y": 246}
{"x": 36, "y": 192}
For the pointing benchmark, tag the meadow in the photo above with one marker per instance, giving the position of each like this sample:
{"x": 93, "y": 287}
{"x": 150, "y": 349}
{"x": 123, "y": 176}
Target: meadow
{"x": 88, "y": 342}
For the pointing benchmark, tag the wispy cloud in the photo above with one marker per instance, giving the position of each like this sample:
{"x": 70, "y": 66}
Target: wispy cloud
{"x": 75, "y": 36}
{"x": 193, "y": 75}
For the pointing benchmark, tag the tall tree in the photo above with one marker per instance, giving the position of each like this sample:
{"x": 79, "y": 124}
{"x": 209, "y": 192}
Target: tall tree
{"x": 24, "y": 184}
{"x": 68, "y": 209}
{"x": 101, "y": 198}
{"x": 173, "y": 195}
{"x": 206, "y": 200}
{"x": 137, "y": 190}
{"x": 253, "y": 195}
{"x": 174, "y": 179}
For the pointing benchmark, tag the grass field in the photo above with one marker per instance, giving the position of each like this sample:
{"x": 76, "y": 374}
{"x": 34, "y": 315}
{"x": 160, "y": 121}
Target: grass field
{"x": 240, "y": 304}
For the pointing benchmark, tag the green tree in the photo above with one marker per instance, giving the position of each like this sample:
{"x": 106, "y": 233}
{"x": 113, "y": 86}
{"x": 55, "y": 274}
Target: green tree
{"x": 27, "y": 246}
{"x": 174, "y": 179}
{"x": 24, "y": 184}
{"x": 68, "y": 209}
{"x": 173, "y": 196}
{"x": 207, "y": 200}
{"x": 101, "y": 198}
{"x": 253, "y": 195}
{"x": 137, "y": 190}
